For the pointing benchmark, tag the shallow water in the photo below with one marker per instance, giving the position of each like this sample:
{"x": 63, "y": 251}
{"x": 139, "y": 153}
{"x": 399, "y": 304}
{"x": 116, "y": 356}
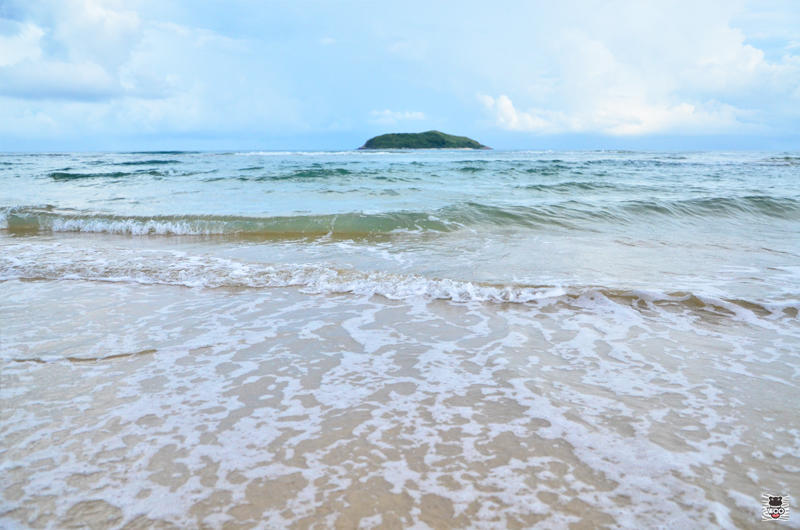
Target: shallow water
{"x": 495, "y": 339}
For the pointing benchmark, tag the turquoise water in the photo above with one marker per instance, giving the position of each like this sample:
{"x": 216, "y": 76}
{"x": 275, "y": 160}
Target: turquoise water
{"x": 493, "y": 338}
{"x": 722, "y": 224}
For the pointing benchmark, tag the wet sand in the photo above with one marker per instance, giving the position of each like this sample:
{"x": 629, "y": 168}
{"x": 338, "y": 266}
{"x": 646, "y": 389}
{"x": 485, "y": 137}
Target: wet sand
{"x": 153, "y": 406}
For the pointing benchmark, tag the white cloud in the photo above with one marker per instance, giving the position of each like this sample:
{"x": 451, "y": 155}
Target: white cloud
{"x": 622, "y": 116}
{"x": 641, "y": 68}
{"x": 21, "y": 46}
{"x": 94, "y": 31}
{"x": 57, "y": 80}
{"x": 507, "y": 117}
{"x": 389, "y": 117}
{"x": 626, "y": 67}
{"x": 94, "y": 67}
{"x": 75, "y": 53}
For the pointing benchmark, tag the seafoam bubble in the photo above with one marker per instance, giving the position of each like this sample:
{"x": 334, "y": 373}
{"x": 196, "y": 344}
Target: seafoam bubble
{"x": 56, "y": 262}
{"x": 178, "y": 268}
{"x": 284, "y": 406}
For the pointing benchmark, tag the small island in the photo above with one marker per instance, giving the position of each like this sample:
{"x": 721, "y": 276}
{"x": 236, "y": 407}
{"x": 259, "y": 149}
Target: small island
{"x": 423, "y": 140}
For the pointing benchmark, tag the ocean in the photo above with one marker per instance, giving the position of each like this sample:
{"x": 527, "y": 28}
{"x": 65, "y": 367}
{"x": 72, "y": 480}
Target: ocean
{"x": 496, "y": 339}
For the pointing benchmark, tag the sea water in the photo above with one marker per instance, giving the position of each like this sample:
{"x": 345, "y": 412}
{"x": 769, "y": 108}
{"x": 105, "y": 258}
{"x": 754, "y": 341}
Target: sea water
{"x": 398, "y": 338}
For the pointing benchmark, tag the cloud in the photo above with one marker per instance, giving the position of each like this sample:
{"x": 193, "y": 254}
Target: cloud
{"x": 27, "y": 72}
{"x": 84, "y": 81}
{"x": 619, "y": 117}
{"x": 73, "y": 52}
{"x": 23, "y": 44}
{"x": 656, "y": 70}
{"x": 80, "y": 68}
{"x": 94, "y": 31}
{"x": 114, "y": 69}
{"x": 389, "y": 117}
{"x": 507, "y": 117}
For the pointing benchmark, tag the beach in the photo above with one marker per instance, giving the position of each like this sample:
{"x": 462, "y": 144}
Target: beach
{"x": 498, "y": 339}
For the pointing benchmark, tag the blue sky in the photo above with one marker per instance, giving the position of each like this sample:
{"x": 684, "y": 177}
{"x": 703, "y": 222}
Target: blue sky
{"x": 141, "y": 74}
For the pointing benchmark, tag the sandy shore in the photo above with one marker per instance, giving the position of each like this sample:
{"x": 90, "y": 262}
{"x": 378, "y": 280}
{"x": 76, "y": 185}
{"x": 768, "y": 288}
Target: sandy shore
{"x": 150, "y": 406}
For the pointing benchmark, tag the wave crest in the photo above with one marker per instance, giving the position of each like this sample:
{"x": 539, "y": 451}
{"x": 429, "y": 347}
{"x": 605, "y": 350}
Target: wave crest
{"x": 47, "y": 262}
{"x": 568, "y": 214}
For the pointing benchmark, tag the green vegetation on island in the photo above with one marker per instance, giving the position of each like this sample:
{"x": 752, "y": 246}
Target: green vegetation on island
{"x": 423, "y": 140}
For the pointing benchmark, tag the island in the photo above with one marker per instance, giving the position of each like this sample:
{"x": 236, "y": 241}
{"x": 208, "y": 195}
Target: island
{"x": 423, "y": 140}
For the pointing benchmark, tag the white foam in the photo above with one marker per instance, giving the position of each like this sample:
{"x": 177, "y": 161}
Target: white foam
{"x": 177, "y": 268}
{"x": 56, "y": 261}
{"x": 236, "y": 369}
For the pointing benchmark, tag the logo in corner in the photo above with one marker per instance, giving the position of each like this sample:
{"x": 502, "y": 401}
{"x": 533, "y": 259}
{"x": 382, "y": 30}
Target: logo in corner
{"x": 775, "y": 507}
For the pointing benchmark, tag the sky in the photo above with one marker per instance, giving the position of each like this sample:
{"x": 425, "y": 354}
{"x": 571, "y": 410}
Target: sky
{"x": 98, "y": 75}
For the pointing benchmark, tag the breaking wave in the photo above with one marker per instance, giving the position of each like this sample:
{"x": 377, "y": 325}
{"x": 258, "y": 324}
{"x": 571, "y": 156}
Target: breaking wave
{"x": 569, "y": 214}
{"x": 39, "y": 262}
